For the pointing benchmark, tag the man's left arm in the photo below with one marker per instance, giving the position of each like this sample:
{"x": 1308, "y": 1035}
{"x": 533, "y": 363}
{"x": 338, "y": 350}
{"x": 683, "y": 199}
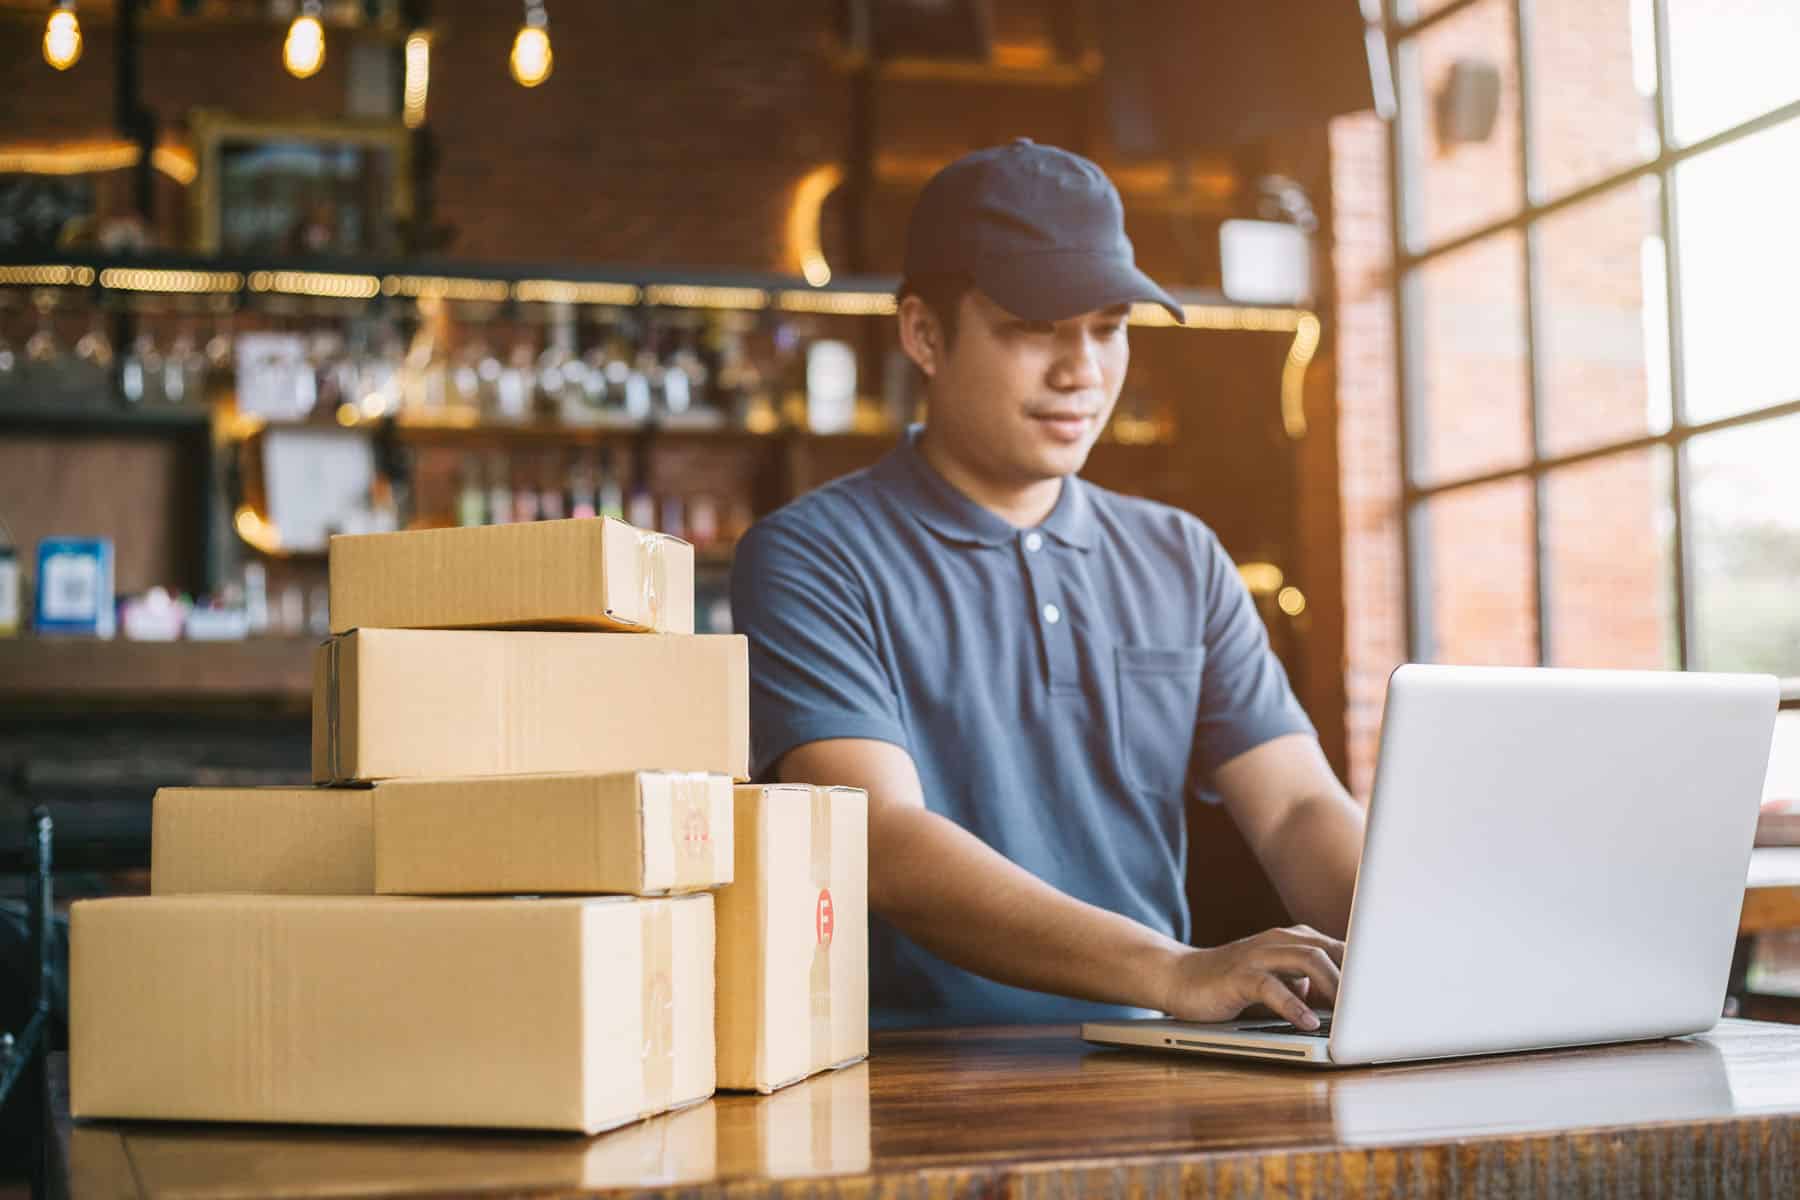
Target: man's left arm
{"x": 1302, "y": 825}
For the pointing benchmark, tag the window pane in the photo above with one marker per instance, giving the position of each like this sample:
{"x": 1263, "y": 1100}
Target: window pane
{"x": 1744, "y": 500}
{"x": 1609, "y": 550}
{"x": 1462, "y": 173}
{"x": 1740, "y": 256}
{"x": 1602, "y": 332}
{"x": 1483, "y": 585}
{"x": 1593, "y": 91}
{"x": 1730, "y": 60}
{"x": 1471, "y": 393}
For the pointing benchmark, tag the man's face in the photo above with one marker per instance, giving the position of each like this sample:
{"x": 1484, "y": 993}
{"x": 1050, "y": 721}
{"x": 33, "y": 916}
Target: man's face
{"x": 1022, "y": 401}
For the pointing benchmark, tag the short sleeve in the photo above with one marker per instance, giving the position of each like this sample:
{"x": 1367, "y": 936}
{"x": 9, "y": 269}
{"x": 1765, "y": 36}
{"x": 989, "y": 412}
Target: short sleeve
{"x": 1245, "y": 698}
{"x": 816, "y": 670}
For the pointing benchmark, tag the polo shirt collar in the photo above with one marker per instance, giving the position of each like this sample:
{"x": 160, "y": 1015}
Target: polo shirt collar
{"x": 935, "y": 503}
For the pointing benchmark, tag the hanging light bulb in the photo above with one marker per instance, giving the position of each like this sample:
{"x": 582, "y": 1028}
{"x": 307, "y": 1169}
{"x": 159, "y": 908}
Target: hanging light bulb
{"x": 531, "y": 59}
{"x": 418, "y": 79}
{"x": 304, "y": 51}
{"x": 62, "y": 36}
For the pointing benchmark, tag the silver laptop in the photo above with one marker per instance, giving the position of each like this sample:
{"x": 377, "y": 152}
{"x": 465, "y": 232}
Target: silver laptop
{"x": 1553, "y": 858}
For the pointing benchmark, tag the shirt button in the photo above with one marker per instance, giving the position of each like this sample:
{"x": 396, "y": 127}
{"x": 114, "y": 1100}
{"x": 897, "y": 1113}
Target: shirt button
{"x": 1034, "y": 542}
{"x": 1052, "y": 614}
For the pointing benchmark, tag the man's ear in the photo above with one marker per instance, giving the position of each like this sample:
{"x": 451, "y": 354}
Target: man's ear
{"x": 921, "y": 336}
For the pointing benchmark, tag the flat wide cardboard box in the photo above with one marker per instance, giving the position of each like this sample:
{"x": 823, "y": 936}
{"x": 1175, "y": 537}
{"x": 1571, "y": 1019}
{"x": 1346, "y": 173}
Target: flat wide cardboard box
{"x": 423, "y": 704}
{"x": 276, "y": 840}
{"x": 644, "y": 833}
{"x": 574, "y": 1014}
{"x": 794, "y": 937}
{"x": 638, "y": 833}
{"x": 586, "y": 573}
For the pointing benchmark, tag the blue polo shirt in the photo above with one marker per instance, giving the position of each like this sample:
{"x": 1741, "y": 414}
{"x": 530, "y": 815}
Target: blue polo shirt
{"x": 1062, "y": 689}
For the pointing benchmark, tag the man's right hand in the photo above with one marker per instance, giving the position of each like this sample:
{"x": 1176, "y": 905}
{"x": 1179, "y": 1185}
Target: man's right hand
{"x": 1280, "y": 969}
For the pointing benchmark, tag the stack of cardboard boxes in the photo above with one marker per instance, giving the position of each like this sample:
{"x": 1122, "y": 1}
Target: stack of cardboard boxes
{"x": 525, "y": 892}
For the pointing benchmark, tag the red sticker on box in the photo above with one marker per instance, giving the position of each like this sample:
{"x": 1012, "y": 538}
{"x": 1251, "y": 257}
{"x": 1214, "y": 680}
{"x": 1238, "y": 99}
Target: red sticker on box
{"x": 825, "y": 919}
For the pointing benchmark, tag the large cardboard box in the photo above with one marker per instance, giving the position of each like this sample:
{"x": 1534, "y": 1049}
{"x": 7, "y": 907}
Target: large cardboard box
{"x": 794, "y": 937}
{"x": 577, "y": 1014}
{"x": 645, "y": 832}
{"x": 275, "y": 840}
{"x": 638, "y": 833}
{"x": 588, "y": 573}
{"x": 409, "y": 703}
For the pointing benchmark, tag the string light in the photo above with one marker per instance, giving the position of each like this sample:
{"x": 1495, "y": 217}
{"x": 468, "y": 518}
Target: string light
{"x": 531, "y": 60}
{"x": 62, "y": 36}
{"x": 304, "y": 51}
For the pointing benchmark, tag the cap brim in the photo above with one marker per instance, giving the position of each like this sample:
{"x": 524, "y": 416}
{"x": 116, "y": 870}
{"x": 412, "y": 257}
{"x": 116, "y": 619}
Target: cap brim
{"x": 1062, "y": 284}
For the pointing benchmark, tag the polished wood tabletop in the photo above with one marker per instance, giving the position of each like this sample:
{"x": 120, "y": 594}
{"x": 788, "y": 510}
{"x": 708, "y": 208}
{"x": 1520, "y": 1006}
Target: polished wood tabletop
{"x": 1030, "y": 1111}
{"x": 1772, "y": 891}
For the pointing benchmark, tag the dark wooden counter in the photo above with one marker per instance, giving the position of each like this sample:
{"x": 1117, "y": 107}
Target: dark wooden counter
{"x": 1031, "y": 1112}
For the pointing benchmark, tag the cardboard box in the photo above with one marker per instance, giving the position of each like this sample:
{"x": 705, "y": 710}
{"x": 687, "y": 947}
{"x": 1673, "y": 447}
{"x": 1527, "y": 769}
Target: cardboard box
{"x": 275, "y": 840}
{"x": 587, "y": 573}
{"x": 640, "y": 833}
{"x": 577, "y": 1014}
{"x": 794, "y": 937}
{"x": 406, "y": 703}
{"x": 646, "y": 833}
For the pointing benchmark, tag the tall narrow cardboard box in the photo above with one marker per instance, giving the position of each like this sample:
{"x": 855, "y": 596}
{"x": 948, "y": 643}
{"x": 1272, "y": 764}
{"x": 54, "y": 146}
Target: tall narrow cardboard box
{"x": 793, "y": 967}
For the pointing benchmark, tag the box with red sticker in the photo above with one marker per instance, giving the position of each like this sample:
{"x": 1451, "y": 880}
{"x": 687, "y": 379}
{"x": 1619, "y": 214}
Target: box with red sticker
{"x": 793, "y": 964}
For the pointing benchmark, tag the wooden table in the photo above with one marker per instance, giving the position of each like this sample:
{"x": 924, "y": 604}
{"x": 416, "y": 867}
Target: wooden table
{"x": 1034, "y": 1112}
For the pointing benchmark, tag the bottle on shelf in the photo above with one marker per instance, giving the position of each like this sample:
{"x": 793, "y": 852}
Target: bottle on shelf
{"x": 581, "y": 487}
{"x": 609, "y": 499}
{"x": 499, "y": 490}
{"x": 550, "y": 493}
{"x": 525, "y": 498}
{"x": 471, "y": 500}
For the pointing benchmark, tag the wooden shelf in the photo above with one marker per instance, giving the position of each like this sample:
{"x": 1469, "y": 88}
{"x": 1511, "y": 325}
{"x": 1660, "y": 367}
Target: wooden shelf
{"x": 47, "y": 416}
{"x": 275, "y": 672}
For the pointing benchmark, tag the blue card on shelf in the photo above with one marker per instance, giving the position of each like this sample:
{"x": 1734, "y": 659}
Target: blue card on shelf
{"x": 75, "y": 586}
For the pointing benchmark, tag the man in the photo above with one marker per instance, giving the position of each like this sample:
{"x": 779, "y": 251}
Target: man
{"x": 1027, "y": 673}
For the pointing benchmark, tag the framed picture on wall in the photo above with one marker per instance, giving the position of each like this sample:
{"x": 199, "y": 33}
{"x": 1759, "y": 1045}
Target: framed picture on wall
{"x": 285, "y": 188}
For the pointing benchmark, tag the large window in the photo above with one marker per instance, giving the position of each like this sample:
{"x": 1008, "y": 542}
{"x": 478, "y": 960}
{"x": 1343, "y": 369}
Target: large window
{"x": 1597, "y": 246}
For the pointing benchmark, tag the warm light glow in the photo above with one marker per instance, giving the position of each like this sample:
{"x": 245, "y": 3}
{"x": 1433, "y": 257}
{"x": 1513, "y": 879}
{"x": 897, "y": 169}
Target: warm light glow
{"x": 62, "y": 39}
{"x": 444, "y": 287}
{"x": 91, "y": 156}
{"x": 347, "y": 415}
{"x": 843, "y": 304}
{"x": 1291, "y": 601}
{"x": 48, "y": 276}
{"x": 316, "y": 283}
{"x": 1262, "y": 578}
{"x": 682, "y": 295}
{"x": 531, "y": 59}
{"x": 304, "y": 51}
{"x": 556, "y": 291}
{"x": 418, "y": 79}
{"x": 256, "y": 531}
{"x": 136, "y": 279}
{"x": 1293, "y": 376}
{"x": 803, "y": 222}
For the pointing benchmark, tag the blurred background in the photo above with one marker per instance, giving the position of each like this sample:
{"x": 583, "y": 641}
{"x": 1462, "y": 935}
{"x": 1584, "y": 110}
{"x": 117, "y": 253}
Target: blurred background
{"x": 1488, "y": 358}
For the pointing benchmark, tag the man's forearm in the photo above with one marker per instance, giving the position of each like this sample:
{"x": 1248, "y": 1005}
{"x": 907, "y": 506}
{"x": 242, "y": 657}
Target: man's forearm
{"x": 987, "y": 915}
{"x": 1312, "y": 858}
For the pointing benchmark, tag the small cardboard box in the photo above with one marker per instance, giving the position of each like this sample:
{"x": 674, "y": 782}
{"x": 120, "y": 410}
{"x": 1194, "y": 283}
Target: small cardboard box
{"x": 794, "y": 937}
{"x": 418, "y": 704}
{"x": 639, "y": 833}
{"x": 645, "y": 832}
{"x": 586, "y": 573}
{"x": 275, "y": 840}
{"x": 577, "y": 1014}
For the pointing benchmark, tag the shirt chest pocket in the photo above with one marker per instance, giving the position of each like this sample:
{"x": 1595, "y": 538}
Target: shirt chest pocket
{"x": 1159, "y": 703}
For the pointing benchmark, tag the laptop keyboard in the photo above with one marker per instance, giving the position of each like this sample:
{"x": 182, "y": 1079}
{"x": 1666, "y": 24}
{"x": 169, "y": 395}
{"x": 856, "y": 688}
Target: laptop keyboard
{"x": 1324, "y": 1029}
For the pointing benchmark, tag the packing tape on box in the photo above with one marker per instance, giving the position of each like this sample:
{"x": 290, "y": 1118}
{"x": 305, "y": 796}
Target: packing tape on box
{"x": 333, "y": 742}
{"x": 659, "y": 1004}
{"x": 690, "y": 828}
{"x": 824, "y": 929}
{"x": 653, "y": 570}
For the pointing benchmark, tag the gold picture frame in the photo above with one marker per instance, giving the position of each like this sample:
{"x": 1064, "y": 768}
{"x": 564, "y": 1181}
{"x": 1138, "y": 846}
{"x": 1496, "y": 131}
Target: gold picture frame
{"x": 295, "y": 187}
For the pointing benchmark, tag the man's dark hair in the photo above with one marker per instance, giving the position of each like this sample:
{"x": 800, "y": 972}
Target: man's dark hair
{"x": 943, "y": 294}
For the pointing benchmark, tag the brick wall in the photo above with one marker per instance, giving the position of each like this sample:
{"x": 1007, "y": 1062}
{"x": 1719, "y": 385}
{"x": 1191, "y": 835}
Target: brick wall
{"x": 1606, "y": 553}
